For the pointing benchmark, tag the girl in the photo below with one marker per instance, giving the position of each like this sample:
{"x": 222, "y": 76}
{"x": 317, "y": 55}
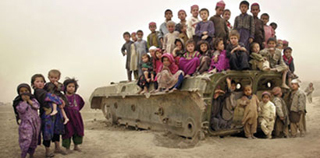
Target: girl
{"x": 206, "y": 56}
{"x": 190, "y": 60}
{"x": 219, "y": 61}
{"x": 178, "y": 51}
{"x": 169, "y": 77}
{"x": 51, "y": 126}
{"x": 74, "y": 128}
{"x": 147, "y": 76}
{"x": 226, "y": 16}
{"x": 257, "y": 60}
{"x": 26, "y": 106}
{"x": 267, "y": 115}
{"x": 250, "y": 104}
{"x": 156, "y": 60}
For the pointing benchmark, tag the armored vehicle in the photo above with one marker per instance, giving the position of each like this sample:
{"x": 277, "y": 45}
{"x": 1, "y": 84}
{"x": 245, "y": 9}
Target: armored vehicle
{"x": 185, "y": 112}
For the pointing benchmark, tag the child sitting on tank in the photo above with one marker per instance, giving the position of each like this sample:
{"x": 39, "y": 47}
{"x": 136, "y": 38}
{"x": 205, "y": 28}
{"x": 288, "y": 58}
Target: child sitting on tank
{"x": 219, "y": 60}
{"x": 147, "y": 75}
{"x": 288, "y": 60}
{"x": 258, "y": 62}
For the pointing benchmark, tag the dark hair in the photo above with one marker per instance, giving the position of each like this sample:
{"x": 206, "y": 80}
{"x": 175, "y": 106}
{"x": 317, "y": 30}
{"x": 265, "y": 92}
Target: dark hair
{"x": 287, "y": 48}
{"x": 201, "y": 42}
{"x": 252, "y": 44}
{"x": 226, "y": 10}
{"x": 191, "y": 41}
{"x": 139, "y": 31}
{"x": 168, "y": 10}
{"x": 54, "y": 71}
{"x": 234, "y": 33}
{"x": 179, "y": 40}
{"x": 33, "y": 78}
{"x": 264, "y": 14}
{"x": 204, "y": 9}
{"x": 126, "y": 33}
{"x": 148, "y": 56}
{"x": 68, "y": 81}
{"x": 244, "y": 3}
{"x": 216, "y": 42}
{"x": 273, "y": 23}
{"x": 272, "y": 39}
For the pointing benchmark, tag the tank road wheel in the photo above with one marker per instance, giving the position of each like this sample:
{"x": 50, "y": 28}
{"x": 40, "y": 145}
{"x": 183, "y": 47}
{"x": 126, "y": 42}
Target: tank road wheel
{"x": 108, "y": 114}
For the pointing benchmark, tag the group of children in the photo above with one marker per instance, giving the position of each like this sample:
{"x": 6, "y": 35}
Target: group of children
{"x": 209, "y": 45}
{"x": 59, "y": 114}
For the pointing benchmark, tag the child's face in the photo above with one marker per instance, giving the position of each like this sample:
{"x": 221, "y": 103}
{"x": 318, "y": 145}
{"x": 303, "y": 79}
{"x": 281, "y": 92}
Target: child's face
{"x": 190, "y": 47}
{"x": 247, "y": 91}
{"x": 233, "y": 86}
{"x": 294, "y": 86}
{"x": 184, "y": 29}
{"x": 158, "y": 55}
{"x": 203, "y": 47}
{"x": 152, "y": 51}
{"x": 243, "y": 8}
{"x": 195, "y": 12}
{"x": 234, "y": 40}
{"x": 145, "y": 59}
{"x": 265, "y": 98}
{"x": 204, "y": 15}
{"x": 265, "y": 19}
{"x": 23, "y": 90}
{"x": 220, "y": 46}
{"x": 256, "y": 48}
{"x": 134, "y": 37}
{"x": 170, "y": 28}
{"x": 255, "y": 10}
{"x": 182, "y": 15}
{"x": 168, "y": 15}
{"x": 140, "y": 35}
{"x": 274, "y": 27}
{"x": 226, "y": 15}
{"x": 54, "y": 78}
{"x": 280, "y": 44}
{"x": 71, "y": 88}
{"x": 219, "y": 11}
{"x": 38, "y": 83}
{"x": 126, "y": 37}
{"x": 287, "y": 53}
{"x": 166, "y": 62}
{"x": 152, "y": 28}
{"x": 272, "y": 44}
{"x": 179, "y": 45}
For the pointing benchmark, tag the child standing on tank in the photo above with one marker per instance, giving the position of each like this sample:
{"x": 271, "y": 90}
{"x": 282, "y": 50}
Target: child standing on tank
{"x": 259, "y": 26}
{"x": 141, "y": 48}
{"x": 220, "y": 25}
{"x": 134, "y": 56}
{"x": 268, "y": 30}
{"x": 182, "y": 16}
{"x": 170, "y": 37}
{"x": 163, "y": 30}
{"x": 205, "y": 28}
{"x": 152, "y": 39}
{"x": 126, "y": 51}
{"x": 226, "y": 16}
{"x": 192, "y": 22}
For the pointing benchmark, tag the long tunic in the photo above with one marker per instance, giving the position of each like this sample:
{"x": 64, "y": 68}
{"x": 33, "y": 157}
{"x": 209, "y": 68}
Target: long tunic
{"x": 222, "y": 63}
{"x": 275, "y": 60}
{"x": 189, "y": 63}
{"x": 250, "y": 114}
{"x": 168, "y": 41}
{"x": 29, "y": 127}
{"x": 133, "y": 58}
{"x": 259, "y": 32}
{"x": 281, "y": 111}
{"x": 244, "y": 24}
{"x": 203, "y": 26}
{"x": 75, "y": 124}
{"x": 152, "y": 40}
{"x": 268, "y": 33}
{"x": 220, "y": 27}
{"x": 162, "y": 30}
{"x": 127, "y": 48}
{"x": 141, "y": 48}
{"x": 267, "y": 117}
{"x": 309, "y": 90}
{"x": 192, "y": 23}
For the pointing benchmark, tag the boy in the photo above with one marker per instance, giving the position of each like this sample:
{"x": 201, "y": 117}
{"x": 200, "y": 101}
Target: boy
{"x": 268, "y": 30}
{"x": 259, "y": 29}
{"x": 192, "y": 22}
{"x": 163, "y": 27}
{"x": 170, "y": 37}
{"x": 285, "y": 44}
{"x": 229, "y": 103}
{"x": 204, "y": 29}
{"x": 183, "y": 33}
{"x": 141, "y": 48}
{"x": 267, "y": 114}
{"x": 220, "y": 25}
{"x": 282, "y": 113}
{"x": 182, "y": 16}
{"x": 236, "y": 53}
{"x": 297, "y": 109}
{"x": 273, "y": 55}
{"x": 226, "y": 16}
{"x": 126, "y": 50}
{"x": 152, "y": 39}
{"x": 274, "y": 26}
{"x": 244, "y": 24}
{"x": 134, "y": 56}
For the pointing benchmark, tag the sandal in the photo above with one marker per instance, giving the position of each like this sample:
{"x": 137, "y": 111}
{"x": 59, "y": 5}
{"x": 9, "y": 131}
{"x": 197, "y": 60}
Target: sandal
{"x": 62, "y": 152}
{"x": 49, "y": 155}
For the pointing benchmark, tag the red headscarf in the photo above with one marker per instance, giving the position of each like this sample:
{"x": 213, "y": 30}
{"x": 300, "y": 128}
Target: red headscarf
{"x": 173, "y": 67}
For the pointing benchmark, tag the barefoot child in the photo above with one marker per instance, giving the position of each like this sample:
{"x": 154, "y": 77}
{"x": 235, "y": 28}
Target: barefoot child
{"x": 148, "y": 74}
{"x": 267, "y": 114}
{"x": 55, "y": 87}
{"x": 126, "y": 51}
{"x": 192, "y": 22}
{"x": 250, "y": 104}
{"x": 219, "y": 61}
{"x": 189, "y": 63}
{"x": 258, "y": 62}
{"x": 26, "y": 106}
{"x": 74, "y": 128}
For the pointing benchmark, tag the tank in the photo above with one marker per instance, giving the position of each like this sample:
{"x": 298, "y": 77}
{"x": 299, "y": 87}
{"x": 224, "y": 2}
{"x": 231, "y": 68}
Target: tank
{"x": 185, "y": 112}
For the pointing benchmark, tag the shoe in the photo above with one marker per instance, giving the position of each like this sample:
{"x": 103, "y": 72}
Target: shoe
{"x": 62, "y": 152}
{"x": 49, "y": 155}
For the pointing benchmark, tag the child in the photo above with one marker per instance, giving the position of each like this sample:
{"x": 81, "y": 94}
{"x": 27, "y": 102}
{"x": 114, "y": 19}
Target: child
{"x": 268, "y": 30}
{"x": 55, "y": 87}
{"x": 183, "y": 33}
{"x": 226, "y": 16}
{"x": 267, "y": 114}
{"x": 170, "y": 37}
{"x": 285, "y": 44}
{"x": 178, "y": 51}
{"x": 182, "y": 16}
{"x": 126, "y": 50}
{"x": 309, "y": 90}
{"x": 74, "y": 128}
{"x": 288, "y": 60}
{"x": 244, "y": 24}
{"x": 192, "y": 22}
{"x": 26, "y": 107}
{"x": 163, "y": 27}
{"x": 205, "y": 28}
{"x": 259, "y": 26}
{"x": 51, "y": 128}
{"x": 217, "y": 122}
{"x": 189, "y": 63}
{"x": 141, "y": 48}
{"x": 169, "y": 76}
{"x": 273, "y": 55}
{"x": 274, "y": 26}
{"x": 229, "y": 103}
{"x": 257, "y": 60}
{"x": 236, "y": 53}
{"x": 282, "y": 119}
{"x": 219, "y": 60}
{"x": 280, "y": 44}
{"x": 152, "y": 39}
{"x": 134, "y": 56}
{"x": 220, "y": 25}
{"x": 250, "y": 104}
{"x": 297, "y": 109}
{"x": 206, "y": 56}
{"x": 148, "y": 74}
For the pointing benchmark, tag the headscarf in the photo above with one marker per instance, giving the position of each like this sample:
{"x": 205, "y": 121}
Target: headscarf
{"x": 155, "y": 60}
{"x": 18, "y": 99}
{"x": 173, "y": 67}
{"x": 288, "y": 61}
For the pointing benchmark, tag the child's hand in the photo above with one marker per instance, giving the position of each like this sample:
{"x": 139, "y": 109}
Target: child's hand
{"x": 144, "y": 69}
{"x": 204, "y": 37}
{"x": 56, "y": 83}
{"x": 25, "y": 98}
{"x": 148, "y": 79}
{"x": 228, "y": 80}
{"x": 205, "y": 32}
{"x": 243, "y": 49}
{"x": 215, "y": 59}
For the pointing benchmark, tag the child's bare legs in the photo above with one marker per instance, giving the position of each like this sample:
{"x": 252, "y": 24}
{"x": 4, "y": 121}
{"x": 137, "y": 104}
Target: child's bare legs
{"x": 48, "y": 153}
{"x": 146, "y": 74}
{"x": 152, "y": 77}
{"x": 58, "y": 149}
{"x": 145, "y": 90}
{"x": 54, "y": 109}
{"x": 284, "y": 77}
{"x": 66, "y": 119}
{"x": 76, "y": 147}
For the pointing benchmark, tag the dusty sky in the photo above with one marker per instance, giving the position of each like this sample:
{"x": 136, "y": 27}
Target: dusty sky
{"x": 83, "y": 38}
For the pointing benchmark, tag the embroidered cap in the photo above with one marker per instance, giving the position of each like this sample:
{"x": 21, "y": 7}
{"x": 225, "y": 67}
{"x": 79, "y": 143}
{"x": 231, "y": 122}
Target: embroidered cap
{"x": 152, "y": 24}
{"x": 221, "y": 4}
{"x": 276, "y": 90}
{"x": 266, "y": 93}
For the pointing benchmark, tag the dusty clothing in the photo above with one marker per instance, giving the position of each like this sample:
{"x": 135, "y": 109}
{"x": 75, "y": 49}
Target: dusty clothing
{"x": 244, "y": 24}
{"x": 126, "y": 48}
{"x": 258, "y": 62}
{"x": 163, "y": 30}
{"x": 309, "y": 90}
{"x": 275, "y": 60}
{"x": 168, "y": 41}
{"x": 153, "y": 40}
{"x": 238, "y": 60}
{"x": 297, "y": 112}
{"x": 221, "y": 29}
{"x": 133, "y": 59}
{"x": 281, "y": 126}
{"x": 267, "y": 117}
{"x": 217, "y": 122}
{"x": 259, "y": 32}
{"x": 141, "y": 48}
{"x": 183, "y": 37}
{"x": 228, "y": 107}
{"x": 268, "y": 33}
{"x": 192, "y": 23}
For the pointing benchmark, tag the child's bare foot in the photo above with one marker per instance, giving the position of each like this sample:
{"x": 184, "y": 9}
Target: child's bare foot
{"x": 253, "y": 137}
{"x": 266, "y": 69}
{"x": 148, "y": 79}
{"x": 66, "y": 120}
{"x": 49, "y": 155}
{"x": 166, "y": 90}
{"x": 187, "y": 76}
{"x": 285, "y": 86}
{"x": 144, "y": 91}
{"x": 68, "y": 150}
{"x": 60, "y": 151}
{"x": 173, "y": 89}
{"x": 54, "y": 112}
{"x": 76, "y": 148}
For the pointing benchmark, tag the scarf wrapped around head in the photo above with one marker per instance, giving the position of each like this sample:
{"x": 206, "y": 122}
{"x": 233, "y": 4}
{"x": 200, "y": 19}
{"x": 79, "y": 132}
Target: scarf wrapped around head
{"x": 18, "y": 99}
{"x": 286, "y": 60}
{"x": 173, "y": 67}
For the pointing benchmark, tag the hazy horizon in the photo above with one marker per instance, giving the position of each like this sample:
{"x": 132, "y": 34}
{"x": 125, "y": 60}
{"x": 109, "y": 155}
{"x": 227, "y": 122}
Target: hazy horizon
{"x": 83, "y": 38}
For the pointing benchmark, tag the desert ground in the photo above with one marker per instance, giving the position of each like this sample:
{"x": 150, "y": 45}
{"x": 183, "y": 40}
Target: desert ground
{"x": 102, "y": 140}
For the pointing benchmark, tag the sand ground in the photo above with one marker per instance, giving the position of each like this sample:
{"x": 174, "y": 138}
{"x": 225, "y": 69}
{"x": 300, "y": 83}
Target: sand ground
{"x": 103, "y": 140}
